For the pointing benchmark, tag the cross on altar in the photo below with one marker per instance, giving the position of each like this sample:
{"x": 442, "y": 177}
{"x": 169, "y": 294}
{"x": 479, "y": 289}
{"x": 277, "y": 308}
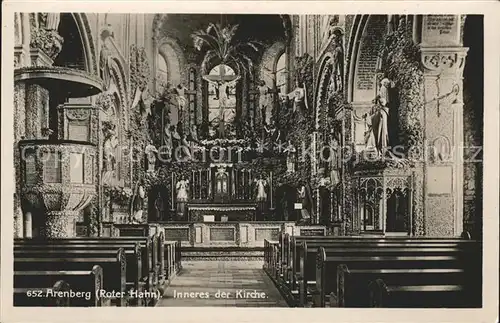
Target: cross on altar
{"x": 222, "y": 82}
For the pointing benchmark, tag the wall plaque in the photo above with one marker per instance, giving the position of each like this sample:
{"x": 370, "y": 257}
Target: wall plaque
{"x": 266, "y": 233}
{"x": 176, "y": 234}
{"x": 441, "y": 30}
{"x": 439, "y": 180}
{"x": 366, "y": 67}
{"x": 312, "y": 232}
{"x": 222, "y": 234}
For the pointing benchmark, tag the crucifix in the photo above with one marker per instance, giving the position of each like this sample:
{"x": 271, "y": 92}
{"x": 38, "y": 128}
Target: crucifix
{"x": 222, "y": 83}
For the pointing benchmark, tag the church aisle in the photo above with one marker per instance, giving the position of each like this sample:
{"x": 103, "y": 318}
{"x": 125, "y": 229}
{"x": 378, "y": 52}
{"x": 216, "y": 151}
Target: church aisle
{"x": 212, "y": 278}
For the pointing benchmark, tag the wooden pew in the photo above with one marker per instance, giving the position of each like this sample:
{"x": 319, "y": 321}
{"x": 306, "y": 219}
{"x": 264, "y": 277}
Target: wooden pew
{"x": 292, "y": 256}
{"x": 313, "y": 243}
{"x": 401, "y": 255}
{"x": 135, "y": 279}
{"x": 412, "y": 296}
{"x": 26, "y": 296}
{"x": 304, "y": 253}
{"x": 271, "y": 258}
{"x": 353, "y": 284}
{"x": 149, "y": 266}
{"x": 30, "y": 287}
{"x": 113, "y": 265}
{"x": 173, "y": 256}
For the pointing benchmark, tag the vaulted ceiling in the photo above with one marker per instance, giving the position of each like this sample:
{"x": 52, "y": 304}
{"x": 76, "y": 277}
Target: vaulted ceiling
{"x": 264, "y": 28}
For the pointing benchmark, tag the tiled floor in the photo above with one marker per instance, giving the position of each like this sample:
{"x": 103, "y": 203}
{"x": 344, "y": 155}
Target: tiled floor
{"x": 202, "y": 279}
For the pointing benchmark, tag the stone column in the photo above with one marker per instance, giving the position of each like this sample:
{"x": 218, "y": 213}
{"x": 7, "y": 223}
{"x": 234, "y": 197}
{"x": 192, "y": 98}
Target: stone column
{"x": 27, "y": 226}
{"x": 443, "y": 60}
{"x": 60, "y": 224}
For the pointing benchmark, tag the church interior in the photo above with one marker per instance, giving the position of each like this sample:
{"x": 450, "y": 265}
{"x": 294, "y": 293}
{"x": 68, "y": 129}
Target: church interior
{"x": 295, "y": 160}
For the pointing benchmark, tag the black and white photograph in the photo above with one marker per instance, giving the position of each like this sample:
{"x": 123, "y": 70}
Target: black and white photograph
{"x": 242, "y": 159}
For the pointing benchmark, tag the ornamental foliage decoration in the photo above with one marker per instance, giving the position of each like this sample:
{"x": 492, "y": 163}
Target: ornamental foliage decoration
{"x": 224, "y": 48}
{"x": 401, "y": 63}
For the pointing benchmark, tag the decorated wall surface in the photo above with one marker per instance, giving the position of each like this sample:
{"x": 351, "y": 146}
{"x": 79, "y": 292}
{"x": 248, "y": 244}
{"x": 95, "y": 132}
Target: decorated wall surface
{"x": 349, "y": 70}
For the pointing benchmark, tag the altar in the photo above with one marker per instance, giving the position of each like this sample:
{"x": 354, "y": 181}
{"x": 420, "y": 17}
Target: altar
{"x": 220, "y": 234}
{"x": 221, "y": 212}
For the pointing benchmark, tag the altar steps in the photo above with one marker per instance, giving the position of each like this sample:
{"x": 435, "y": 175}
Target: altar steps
{"x": 212, "y": 253}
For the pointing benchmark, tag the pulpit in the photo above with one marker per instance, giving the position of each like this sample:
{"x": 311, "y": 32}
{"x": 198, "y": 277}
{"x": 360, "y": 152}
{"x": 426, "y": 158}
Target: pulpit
{"x": 383, "y": 201}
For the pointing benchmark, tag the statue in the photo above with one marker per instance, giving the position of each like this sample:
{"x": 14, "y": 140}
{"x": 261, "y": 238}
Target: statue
{"x": 299, "y": 97}
{"x": 335, "y": 161}
{"x": 151, "y": 156}
{"x": 104, "y": 66}
{"x": 222, "y": 89}
{"x": 193, "y": 134}
{"x": 138, "y": 205}
{"x": 182, "y": 187}
{"x": 305, "y": 197}
{"x": 167, "y": 140}
{"x": 290, "y": 157}
{"x": 261, "y": 189}
{"x": 273, "y": 135}
{"x": 336, "y": 83}
{"x": 324, "y": 196}
{"x": 383, "y": 92}
{"x": 185, "y": 148}
{"x": 377, "y": 135}
{"x": 109, "y": 158}
{"x": 159, "y": 206}
{"x": 264, "y": 104}
{"x": 261, "y": 197}
{"x": 180, "y": 91}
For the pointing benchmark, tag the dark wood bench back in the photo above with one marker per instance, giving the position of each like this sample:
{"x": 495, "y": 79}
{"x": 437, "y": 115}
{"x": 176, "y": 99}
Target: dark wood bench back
{"x": 113, "y": 264}
{"x": 81, "y": 281}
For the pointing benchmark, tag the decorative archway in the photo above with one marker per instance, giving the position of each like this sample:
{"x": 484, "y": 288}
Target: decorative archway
{"x": 268, "y": 63}
{"x": 89, "y": 49}
{"x": 172, "y": 53}
{"x": 366, "y": 37}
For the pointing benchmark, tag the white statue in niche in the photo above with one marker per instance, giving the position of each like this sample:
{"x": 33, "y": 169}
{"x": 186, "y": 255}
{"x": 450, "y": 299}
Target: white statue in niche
{"x": 377, "y": 135}
{"x": 261, "y": 189}
{"x": 264, "y": 102}
{"x": 182, "y": 187}
{"x": 383, "y": 92}
{"x": 291, "y": 154}
{"x": 151, "y": 156}
{"x": 138, "y": 205}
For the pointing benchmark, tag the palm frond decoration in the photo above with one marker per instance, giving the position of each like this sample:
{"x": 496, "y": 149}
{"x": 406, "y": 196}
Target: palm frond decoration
{"x": 222, "y": 47}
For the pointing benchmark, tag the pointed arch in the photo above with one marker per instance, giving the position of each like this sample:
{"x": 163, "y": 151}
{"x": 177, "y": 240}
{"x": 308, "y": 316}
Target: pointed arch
{"x": 88, "y": 42}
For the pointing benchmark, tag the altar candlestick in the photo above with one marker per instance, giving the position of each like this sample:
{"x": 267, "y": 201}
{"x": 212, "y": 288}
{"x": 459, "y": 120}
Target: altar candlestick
{"x": 271, "y": 187}
{"x": 209, "y": 182}
{"x": 199, "y": 183}
{"x": 250, "y": 182}
{"x": 193, "y": 184}
{"x": 233, "y": 192}
{"x": 173, "y": 189}
{"x": 317, "y": 206}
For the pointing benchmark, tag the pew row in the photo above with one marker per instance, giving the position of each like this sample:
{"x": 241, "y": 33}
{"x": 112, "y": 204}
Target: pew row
{"x": 141, "y": 274}
{"x": 295, "y": 271}
{"x": 71, "y": 288}
{"x": 345, "y": 274}
{"x": 136, "y": 278}
{"x": 113, "y": 264}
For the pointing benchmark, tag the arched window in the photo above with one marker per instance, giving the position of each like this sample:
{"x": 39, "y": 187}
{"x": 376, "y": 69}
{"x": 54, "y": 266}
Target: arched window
{"x": 226, "y": 74}
{"x": 161, "y": 71}
{"x": 281, "y": 74}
